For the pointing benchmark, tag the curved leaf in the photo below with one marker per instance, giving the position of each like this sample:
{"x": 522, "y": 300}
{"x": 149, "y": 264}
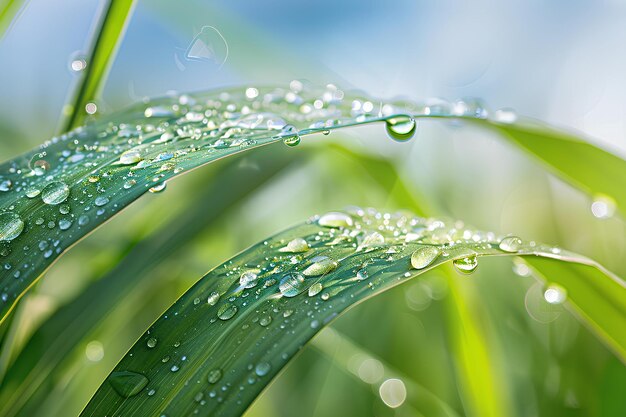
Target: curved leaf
{"x": 216, "y": 348}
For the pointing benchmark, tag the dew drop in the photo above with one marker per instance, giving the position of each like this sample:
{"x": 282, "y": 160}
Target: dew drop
{"x": 127, "y": 383}
{"x": 214, "y": 376}
{"x": 466, "y": 265}
{"x": 158, "y": 188}
{"x": 152, "y": 342}
{"x": 290, "y": 136}
{"x": 131, "y": 156}
{"x": 11, "y": 226}
{"x": 213, "y": 298}
{"x": 315, "y": 289}
{"x": 510, "y": 244}
{"x": 401, "y": 128}
{"x": 101, "y": 201}
{"x": 262, "y": 368}
{"x": 55, "y": 193}
{"x": 291, "y": 285}
{"x": 296, "y": 245}
{"x": 6, "y": 185}
{"x": 209, "y": 45}
{"x": 320, "y": 267}
{"x": 424, "y": 256}
{"x": 249, "y": 279}
{"x": 335, "y": 219}
{"x": 227, "y": 311}
{"x": 555, "y": 294}
{"x": 265, "y": 320}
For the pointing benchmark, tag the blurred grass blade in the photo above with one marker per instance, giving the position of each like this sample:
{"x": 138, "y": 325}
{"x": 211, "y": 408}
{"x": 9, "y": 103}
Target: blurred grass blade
{"x": 104, "y": 47}
{"x": 218, "y": 346}
{"x": 52, "y": 349}
{"x": 9, "y": 10}
{"x": 342, "y": 351}
{"x": 474, "y": 352}
{"x": 587, "y": 167}
{"x": 597, "y": 296}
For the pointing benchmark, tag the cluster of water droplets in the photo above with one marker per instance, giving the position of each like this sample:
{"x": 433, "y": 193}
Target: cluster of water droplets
{"x": 54, "y": 195}
{"x": 292, "y": 284}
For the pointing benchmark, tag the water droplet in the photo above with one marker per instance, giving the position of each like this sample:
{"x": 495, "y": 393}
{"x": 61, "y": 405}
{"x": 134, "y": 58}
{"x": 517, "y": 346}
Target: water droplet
{"x": 296, "y": 245}
{"x": 32, "y": 192}
{"x": 249, "y": 279}
{"x": 5, "y": 185}
{"x": 291, "y": 285}
{"x": 401, "y": 128}
{"x": 213, "y": 298}
{"x": 227, "y": 311}
{"x": 510, "y": 244}
{"x": 131, "y": 156}
{"x": 392, "y": 392}
{"x": 38, "y": 165}
{"x": 265, "y": 320}
{"x": 424, "y": 256}
{"x": 127, "y": 383}
{"x": 320, "y": 267}
{"x": 91, "y": 108}
{"x": 65, "y": 224}
{"x": 466, "y": 265}
{"x": 78, "y": 62}
{"x": 55, "y": 193}
{"x": 158, "y": 188}
{"x": 262, "y": 368}
{"x": 315, "y": 289}
{"x": 214, "y": 376}
{"x": 362, "y": 274}
{"x": 290, "y": 135}
{"x": 603, "y": 207}
{"x": 555, "y": 294}
{"x": 11, "y": 226}
{"x": 101, "y": 201}
{"x": 335, "y": 219}
{"x": 152, "y": 342}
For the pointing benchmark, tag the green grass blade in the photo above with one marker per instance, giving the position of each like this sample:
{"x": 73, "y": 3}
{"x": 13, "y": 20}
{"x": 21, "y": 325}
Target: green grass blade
{"x": 217, "y": 347}
{"x": 108, "y": 38}
{"x": 52, "y": 349}
{"x": 585, "y": 166}
{"x": 596, "y": 296}
{"x": 9, "y": 9}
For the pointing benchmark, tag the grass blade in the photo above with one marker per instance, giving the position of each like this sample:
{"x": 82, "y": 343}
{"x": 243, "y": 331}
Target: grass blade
{"x": 108, "y": 38}
{"x": 44, "y": 360}
{"x": 216, "y": 348}
{"x": 9, "y": 9}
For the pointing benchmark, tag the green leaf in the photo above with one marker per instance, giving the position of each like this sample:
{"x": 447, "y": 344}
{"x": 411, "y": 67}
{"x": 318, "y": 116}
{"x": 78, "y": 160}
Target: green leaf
{"x": 587, "y": 167}
{"x": 106, "y": 42}
{"x": 53, "y": 348}
{"x": 218, "y": 346}
{"x": 9, "y": 9}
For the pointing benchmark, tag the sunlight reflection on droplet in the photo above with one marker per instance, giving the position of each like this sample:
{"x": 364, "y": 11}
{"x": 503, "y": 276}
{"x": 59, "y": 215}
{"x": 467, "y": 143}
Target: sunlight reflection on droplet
{"x": 603, "y": 207}
{"x": 91, "y": 108}
{"x": 371, "y": 370}
{"x": 393, "y": 392}
{"x": 554, "y": 295}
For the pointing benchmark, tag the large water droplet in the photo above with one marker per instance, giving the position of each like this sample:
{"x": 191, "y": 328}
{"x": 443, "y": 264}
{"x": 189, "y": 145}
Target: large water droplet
{"x": 128, "y": 383}
{"x": 290, "y": 136}
{"x": 335, "y": 219}
{"x": 315, "y": 289}
{"x": 131, "y": 156}
{"x": 295, "y": 246}
{"x": 213, "y": 298}
{"x": 291, "y": 285}
{"x": 320, "y": 267}
{"x": 466, "y": 265}
{"x": 401, "y": 128}
{"x": 214, "y": 376}
{"x": 227, "y": 311}
{"x": 158, "y": 188}
{"x": 510, "y": 244}
{"x": 424, "y": 256}
{"x": 249, "y": 278}
{"x": 262, "y": 368}
{"x": 152, "y": 342}
{"x": 209, "y": 45}
{"x": 55, "y": 193}
{"x": 11, "y": 226}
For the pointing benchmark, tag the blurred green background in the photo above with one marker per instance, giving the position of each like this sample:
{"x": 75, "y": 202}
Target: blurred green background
{"x": 562, "y": 62}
